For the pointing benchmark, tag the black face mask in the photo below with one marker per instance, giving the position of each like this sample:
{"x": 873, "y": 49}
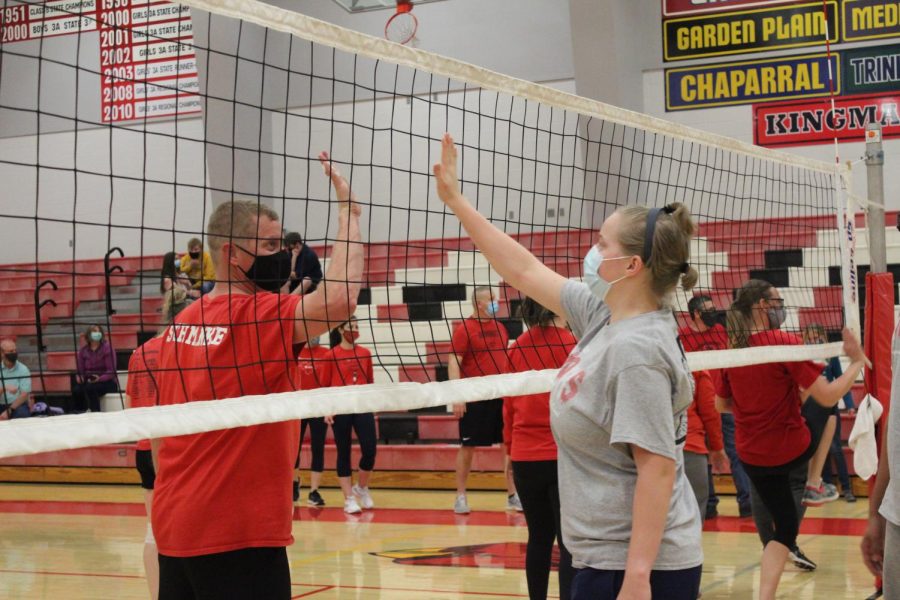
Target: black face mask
{"x": 269, "y": 271}
{"x": 194, "y": 254}
{"x": 709, "y": 317}
{"x": 12, "y": 356}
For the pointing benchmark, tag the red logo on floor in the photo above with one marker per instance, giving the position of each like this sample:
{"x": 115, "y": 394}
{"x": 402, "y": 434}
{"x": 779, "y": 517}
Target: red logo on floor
{"x": 502, "y": 555}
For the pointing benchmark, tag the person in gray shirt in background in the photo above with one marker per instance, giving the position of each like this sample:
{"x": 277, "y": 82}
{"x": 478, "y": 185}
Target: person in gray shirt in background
{"x": 618, "y": 405}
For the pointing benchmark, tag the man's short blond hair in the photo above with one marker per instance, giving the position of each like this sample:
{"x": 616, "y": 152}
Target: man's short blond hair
{"x": 236, "y": 221}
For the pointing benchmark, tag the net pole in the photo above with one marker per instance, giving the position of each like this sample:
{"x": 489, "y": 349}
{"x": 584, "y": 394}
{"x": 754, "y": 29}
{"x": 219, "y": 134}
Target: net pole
{"x": 847, "y": 240}
{"x": 875, "y": 192}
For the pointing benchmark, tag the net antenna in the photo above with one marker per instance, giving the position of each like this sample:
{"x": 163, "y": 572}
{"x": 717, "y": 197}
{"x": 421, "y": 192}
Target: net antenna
{"x": 402, "y": 26}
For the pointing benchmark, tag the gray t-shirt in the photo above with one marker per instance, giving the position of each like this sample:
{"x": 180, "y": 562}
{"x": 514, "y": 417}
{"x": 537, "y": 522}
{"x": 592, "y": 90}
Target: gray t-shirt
{"x": 890, "y": 506}
{"x": 626, "y": 383}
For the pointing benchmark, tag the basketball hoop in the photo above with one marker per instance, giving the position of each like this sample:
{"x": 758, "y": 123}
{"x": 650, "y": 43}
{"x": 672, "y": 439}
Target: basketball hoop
{"x": 401, "y": 27}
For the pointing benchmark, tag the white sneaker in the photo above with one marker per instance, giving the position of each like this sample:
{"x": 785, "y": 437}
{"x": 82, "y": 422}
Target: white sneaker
{"x": 351, "y": 507}
{"x": 462, "y": 506}
{"x": 513, "y": 503}
{"x": 364, "y": 497}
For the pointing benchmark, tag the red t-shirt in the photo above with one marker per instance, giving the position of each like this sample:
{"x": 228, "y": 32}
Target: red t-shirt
{"x": 482, "y": 343}
{"x": 769, "y": 430}
{"x": 714, "y": 338}
{"x": 309, "y": 366}
{"x": 704, "y": 421}
{"x": 347, "y": 367}
{"x": 141, "y": 387}
{"x": 526, "y": 419}
{"x": 230, "y": 489}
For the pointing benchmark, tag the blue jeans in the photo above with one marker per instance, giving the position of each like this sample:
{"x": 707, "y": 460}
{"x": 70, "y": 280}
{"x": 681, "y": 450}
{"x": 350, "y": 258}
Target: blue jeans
{"x": 594, "y": 584}
{"x": 836, "y": 452}
{"x": 18, "y": 413}
{"x": 741, "y": 481}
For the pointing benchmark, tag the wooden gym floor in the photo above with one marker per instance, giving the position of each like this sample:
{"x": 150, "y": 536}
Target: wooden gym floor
{"x": 85, "y": 542}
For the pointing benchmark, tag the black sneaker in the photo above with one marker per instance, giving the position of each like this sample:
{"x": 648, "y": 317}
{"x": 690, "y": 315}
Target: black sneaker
{"x": 745, "y": 512}
{"x": 315, "y": 499}
{"x": 711, "y": 512}
{"x": 296, "y": 488}
{"x": 800, "y": 560}
{"x": 848, "y": 496}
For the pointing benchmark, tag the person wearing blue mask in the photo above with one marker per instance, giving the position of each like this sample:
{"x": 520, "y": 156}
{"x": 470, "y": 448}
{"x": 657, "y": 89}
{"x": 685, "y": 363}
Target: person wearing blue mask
{"x": 96, "y": 371}
{"x": 618, "y": 405}
{"x": 478, "y": 348}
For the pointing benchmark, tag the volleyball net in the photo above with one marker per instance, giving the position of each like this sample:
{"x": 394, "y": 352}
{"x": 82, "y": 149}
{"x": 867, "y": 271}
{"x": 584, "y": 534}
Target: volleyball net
{"x": 124, "y": 123}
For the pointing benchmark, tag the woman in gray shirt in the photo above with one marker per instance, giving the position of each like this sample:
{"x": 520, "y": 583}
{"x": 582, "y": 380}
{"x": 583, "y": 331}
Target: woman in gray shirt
{"x": 618, "y": 404}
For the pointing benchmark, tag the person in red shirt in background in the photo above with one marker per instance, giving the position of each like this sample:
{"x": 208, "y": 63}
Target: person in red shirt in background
{"x": 774, "y": 438}
{"x": 703, "y": 424}
{"x": 309, "y": 366}
{"x": 532, "y": 450}
{"x": 704, "y": 332}
{"x": 351, "y": 364}
{"x": 478, "y": 348}
{"x": 222, "y": 510}
{"x": 141, "y": 391}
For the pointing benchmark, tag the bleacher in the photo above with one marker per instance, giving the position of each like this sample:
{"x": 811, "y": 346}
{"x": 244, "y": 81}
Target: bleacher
{"x": 416, "y": 293}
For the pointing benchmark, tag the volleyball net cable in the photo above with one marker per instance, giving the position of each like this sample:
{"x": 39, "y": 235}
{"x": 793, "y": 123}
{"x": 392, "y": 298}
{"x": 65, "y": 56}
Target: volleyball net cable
{"x": 256, "y": 92}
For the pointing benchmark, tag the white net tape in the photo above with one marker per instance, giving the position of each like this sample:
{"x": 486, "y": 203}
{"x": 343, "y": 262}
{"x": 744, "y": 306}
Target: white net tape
{"x": 31, "y": 436}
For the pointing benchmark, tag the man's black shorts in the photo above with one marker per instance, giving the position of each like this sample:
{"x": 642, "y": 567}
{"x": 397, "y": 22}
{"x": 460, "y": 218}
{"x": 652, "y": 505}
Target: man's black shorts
{"x": 482, "y": 424}
{"x": 144, "y": 462}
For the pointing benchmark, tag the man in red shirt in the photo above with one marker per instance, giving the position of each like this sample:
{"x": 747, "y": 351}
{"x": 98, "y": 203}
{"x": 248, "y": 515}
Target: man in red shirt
{"x": 478, "y": 348}
{"x": 705, "y": 332}
{"x": 141, "y": 391}
{"x": 222, "y": 509}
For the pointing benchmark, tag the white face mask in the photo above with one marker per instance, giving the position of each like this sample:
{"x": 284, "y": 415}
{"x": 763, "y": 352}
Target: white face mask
{"x": 592, "y": 261}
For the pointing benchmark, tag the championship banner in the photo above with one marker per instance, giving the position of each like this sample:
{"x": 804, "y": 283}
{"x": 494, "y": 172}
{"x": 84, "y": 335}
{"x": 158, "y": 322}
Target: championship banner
{"x": 873, "y": 69}
{"x": 808, "y": 123}
{"x": 749, "y": 82}
{"x": 758, "y": 30}
{"x": 870, "y": 19}
{"x": 674, "y": 8}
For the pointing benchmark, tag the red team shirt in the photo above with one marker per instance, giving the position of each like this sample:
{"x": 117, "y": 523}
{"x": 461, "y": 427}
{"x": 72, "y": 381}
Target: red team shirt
{"x": 347, "y": 367}
{"x": 230, "y": 489}
{"x": 526, "y": 419}
{"x": 142, "y": 380}
{"x": 714, "y": 338}
{"x": 309, "y": 366}
{"x": 769, "y": 429}
{"x": 482, "y": 343}
{"x": 704, "y": 422}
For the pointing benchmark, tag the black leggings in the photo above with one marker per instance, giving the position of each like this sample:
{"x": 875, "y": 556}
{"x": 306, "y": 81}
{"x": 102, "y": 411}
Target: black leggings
{"x": 247, "y": 574}
{"x": 317, "y": 431}
{"x": 538, "y": 489}
{"x": 364, "y": 426}
{"x": 773, "y": 484}
{"x": 87, "y": 395}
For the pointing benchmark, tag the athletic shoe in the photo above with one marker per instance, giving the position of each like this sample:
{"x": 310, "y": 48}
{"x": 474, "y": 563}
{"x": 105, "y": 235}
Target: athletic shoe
{"x": 813, "y": 496}
{"x": 461, "y": 507}
{"x": 711, "y": 512}
{"x": 296, "y": 490}
{"x": 800, "y": 560}
{"x": 351, "y": 507}
{"x": 848, "y": 496}
{"x": 315, "y": 499}
{"x": 830, "y": 489}
{"x": 513, "y": 503}
{"x": 365, "y": 499}
{"x": 745, "y": 512}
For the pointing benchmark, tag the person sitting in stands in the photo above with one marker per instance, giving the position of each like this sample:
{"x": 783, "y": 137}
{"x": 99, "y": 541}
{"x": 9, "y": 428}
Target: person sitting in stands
{"x": 198, "y": 266}
{"x": 15, "y": 384}
{"x": 175, "y": 287}
{"x": 96, "y": 376}
{"x": 306, "y": 270}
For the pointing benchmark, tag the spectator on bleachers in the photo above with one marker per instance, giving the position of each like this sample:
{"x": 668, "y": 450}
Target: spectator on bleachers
{"x": 814, "y": 333}
{"x": 704, "y": 331}
{"x": 306, "y": 270}
{"x": 15, "y": 384}
{"x": 479, "y": 347}
{"x": 198, "y": 265}
{"x": 96, "y": 375}
{"x": 175, "y": 287}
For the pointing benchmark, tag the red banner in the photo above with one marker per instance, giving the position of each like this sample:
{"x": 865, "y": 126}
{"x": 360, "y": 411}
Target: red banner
{"x": 814, "y": 122}
{"x": 673, "y": 8}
